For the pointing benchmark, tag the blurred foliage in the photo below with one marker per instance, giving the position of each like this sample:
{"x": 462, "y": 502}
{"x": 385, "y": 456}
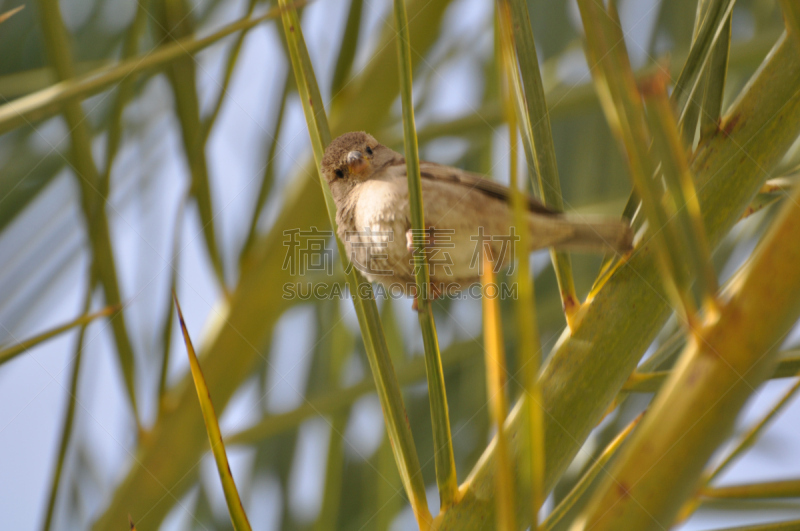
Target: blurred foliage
{"x": 101, "y": 179}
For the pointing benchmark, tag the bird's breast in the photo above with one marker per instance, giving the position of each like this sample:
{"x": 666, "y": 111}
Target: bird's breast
{"x": 375, "y": 241}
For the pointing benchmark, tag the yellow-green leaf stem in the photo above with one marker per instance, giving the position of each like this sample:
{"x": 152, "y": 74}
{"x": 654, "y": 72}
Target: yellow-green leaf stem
{"x": 174, "y": 22}
{"x": 148, "y": 491}
{"x": 529, "y": 350}
{"x": 166, "y": 331}
{"x": 631, "y": 307}
{"x": 748, "y": 439}
{"x": 366, "y": 310}
{"x": 791, "y": 15}
{"x": 686, "y": 223}
{"x": 717, "y": 13}
{"x": 651, "y": 382}
{"x": 789, "y": 488}
{"x": 659, "y": 469}
{"x": 335, "y": 401}
{"x": 498, "y": 403}
{"x": 587, "y": 480}
{"x": 716, "y": 75}
{"x": 624, "y": 110}
{"x": 347, "y": 51}
{"x": 92, "y": 200}
{"x": 437, "y": 395}
{"x": 49, "y": 101}
{"x": 232, "y": 499}
{"x": 10, "y": 352}
{"x": 69, "y": 415}
{"x": 534, "y": 118}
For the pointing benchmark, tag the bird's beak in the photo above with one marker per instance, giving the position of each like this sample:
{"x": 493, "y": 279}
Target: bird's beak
{"x": 356, "y": 162}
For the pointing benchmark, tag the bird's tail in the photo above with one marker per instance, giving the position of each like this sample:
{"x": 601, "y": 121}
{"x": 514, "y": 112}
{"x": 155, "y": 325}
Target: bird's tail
{"x": 591, "y": 234}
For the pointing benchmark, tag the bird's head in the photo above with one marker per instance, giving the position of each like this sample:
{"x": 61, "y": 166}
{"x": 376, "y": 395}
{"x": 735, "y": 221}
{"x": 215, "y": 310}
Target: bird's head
{"x": 352, "y": 158}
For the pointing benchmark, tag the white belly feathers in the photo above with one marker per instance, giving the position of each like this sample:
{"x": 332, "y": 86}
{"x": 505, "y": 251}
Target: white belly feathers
{"x": 377, "y": 243}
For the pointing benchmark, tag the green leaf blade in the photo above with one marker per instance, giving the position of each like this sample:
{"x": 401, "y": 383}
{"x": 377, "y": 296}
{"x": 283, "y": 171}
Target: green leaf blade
{"x": 232, "y": 499}
{"x": 440, "y": 417}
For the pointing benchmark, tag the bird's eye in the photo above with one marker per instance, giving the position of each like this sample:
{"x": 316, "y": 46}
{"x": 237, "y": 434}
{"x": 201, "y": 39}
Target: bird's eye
{"x": 368, "y": 150}
{"x": 339, "y": 173}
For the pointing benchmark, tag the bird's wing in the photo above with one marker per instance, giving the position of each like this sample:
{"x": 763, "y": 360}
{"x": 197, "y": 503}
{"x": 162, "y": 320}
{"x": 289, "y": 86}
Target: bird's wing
{"x": 438, "y": 172}
{"x": 451, "y": 203}
{"x": 460, "y": 222}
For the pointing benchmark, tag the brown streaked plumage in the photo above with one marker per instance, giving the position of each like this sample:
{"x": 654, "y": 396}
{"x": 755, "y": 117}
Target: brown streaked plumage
{"x": 370, "y": 188}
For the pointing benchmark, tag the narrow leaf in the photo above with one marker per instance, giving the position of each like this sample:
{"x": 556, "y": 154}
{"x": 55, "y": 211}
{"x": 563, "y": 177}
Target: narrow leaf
{"x": 347, "y": 51}
{"x": 599, "y": 466}
{"x": 496, "y": 391}
{"x": 651, "y": 382}
{"x": 268, "y": 178}
{"x": 175, "y": 21}
{"x": 166, "y": 330}
{"x": 527, "y": 328}
{"x": 10, "y": 352}
{"x": 716, "y": 74}
{"x": 49, "y": 101}
{"x": 690, "y": 115}
{"x": 684, "y": 227}
{"x": 333, "y": 402}
{"x": 123, "y": 95}
{"x": 748, "y": 439}
{"x": 693, "y": 413}
{"x": 334, "y": 468}
{"x": 59, "y": 51}
{"x": 625, "y": 113}
{"x": 232, "y": 499}
{"x": 665, "y": 352}
{"x": 366, "y": 310}
{"x": 773, "y": 191}
{"x": 535, "y": 120}
{"x": 334, "y": 354}
{"x": 69, "y": 417}
{"x": 717, "y": 13}
{"x": 437, "y": 396}
{"x": 789, "y": 488}
{"x": 791, "y": 14}
{"x": 230, "y": 65}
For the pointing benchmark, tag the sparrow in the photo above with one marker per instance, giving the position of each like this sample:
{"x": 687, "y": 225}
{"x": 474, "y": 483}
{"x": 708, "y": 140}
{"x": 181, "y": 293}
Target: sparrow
{"x": 465, "y": 215}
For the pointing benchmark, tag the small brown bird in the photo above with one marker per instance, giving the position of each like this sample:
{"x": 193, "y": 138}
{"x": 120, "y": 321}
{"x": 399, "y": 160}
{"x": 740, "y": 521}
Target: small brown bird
{"x": 464, "y": 214}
